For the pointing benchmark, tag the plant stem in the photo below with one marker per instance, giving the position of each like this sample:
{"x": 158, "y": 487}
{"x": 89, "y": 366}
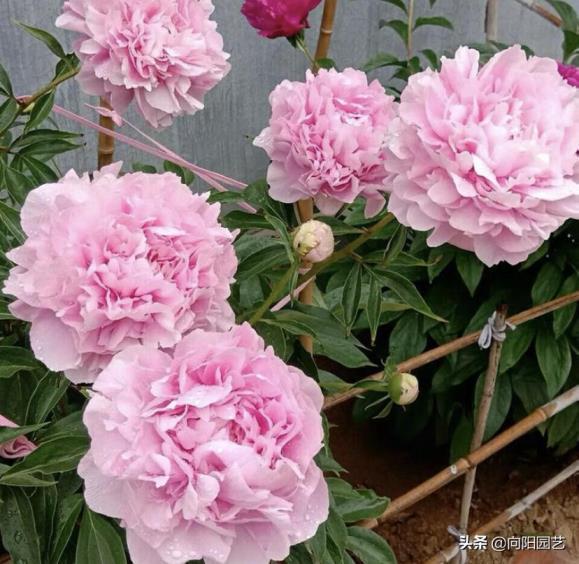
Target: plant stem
{"x": 106, "y": 143}
{"x": 276, "y": 291}
{"x": 302, "y": 46}
{"x": 482, "y": 415}
{"x": 344, "y": 252}
{"x": 409, "y": 41}
{"x": 543, "y": 12}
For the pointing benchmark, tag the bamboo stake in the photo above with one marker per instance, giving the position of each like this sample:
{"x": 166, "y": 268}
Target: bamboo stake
{"x": 106, "y": 143}
{"x": 483, "y": 411}
{"x": 522, "y": 505}
{"x": 326, "y": 29}
{"x": 456, "y": 345}
{"x": 492, "y": 20}
{"x": 306, "y": 207}
{"x": 543, "y": 12}
{"x": 410, "y": 38}
{"x": 463, "y": 465}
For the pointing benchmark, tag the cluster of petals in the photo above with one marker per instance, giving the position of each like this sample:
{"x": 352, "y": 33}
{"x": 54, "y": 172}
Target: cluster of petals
{"x": 570, "y": 73}
{"x": 484, "y": 158}
{"x": 206, "y": 452}
{"x": 18, "y": 447}
{"x": 116, "y": 261}
{"x": 327, "y": 140}
{"x": 163, "y": 54}
{"x": 278, "y": 18}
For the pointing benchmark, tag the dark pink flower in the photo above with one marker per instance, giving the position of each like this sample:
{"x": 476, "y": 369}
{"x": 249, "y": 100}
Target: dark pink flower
{"x": 278, "y": 18}
{"x": 570, "y": 73}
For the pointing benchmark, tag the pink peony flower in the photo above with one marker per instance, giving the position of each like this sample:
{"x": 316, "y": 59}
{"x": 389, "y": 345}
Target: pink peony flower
{"x": 326, "y": 139}
{"x": 278, "y": 18}
{"x": 570, "y": 73}
{"x": 116, "y": 262}
{"x": 164, "y": 54}
{"x": 15, "y": 448}
{"x": 484, "y": 157}
{"x": 208, "y": 452}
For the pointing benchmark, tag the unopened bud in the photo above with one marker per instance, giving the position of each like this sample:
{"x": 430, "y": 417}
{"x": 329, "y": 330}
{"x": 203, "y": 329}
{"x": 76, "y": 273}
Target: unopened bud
{"x": 403, "y": 388}
{"x": 314, "y": 241}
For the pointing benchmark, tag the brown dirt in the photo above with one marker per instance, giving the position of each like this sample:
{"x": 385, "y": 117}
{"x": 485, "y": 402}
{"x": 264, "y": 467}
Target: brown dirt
{"x": 420, "y": 532}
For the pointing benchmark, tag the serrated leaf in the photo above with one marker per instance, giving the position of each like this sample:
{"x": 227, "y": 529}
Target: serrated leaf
{"x": 49, "y": 40}
{"x": 369, "y": 547}
{"x": 98, "y": 541}
{"x": 434, "y": 21}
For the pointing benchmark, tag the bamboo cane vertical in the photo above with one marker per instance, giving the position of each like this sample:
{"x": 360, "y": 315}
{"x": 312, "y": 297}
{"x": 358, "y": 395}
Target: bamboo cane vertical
{"x": 306, "y": 207}
{"x": 482, "y": 415}
{"x": 106, "y": 144}
{"x": 492, "y": 20}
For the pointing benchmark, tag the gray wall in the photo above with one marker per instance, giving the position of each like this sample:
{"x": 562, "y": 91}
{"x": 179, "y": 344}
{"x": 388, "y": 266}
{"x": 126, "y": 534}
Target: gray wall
{"x": 237, "y": 109}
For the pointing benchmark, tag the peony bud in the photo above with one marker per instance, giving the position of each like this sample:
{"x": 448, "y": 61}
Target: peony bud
{"x": 403, "y": 388}
{"x": 570, "y": 73}
{"x": 314, "y": 241}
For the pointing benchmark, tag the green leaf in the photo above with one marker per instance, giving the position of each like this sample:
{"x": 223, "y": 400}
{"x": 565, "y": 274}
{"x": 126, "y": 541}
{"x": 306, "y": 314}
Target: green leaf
{"x": 567, "y": 14}
{"x": 342, "y": 351}
{"x": 8, "y": 113}
{"x": 98, "y": 541}
{"x": 470, "y": 269}
{"x": 48, "y": 149}
{"x": 530, "y": 386}
{"x": 56, "y": 455}
{"x": 186, "y": 176}
{"x": 382, "y": 60}
{"x": 460, "y": 443}
{"x": 40, "y": 111}
{"x": 570, "y": 45}
{"x": 500, "y": 405}
{"x": 369, "y": 547}
{"x": 400, "y": 27}
{"x": 407, "y": 339}
{"x": 563, "y": 317}
{"x": 10, "y": 433}
{"x": 68, "y": 512}
{"x": 554, "y": 357}
{"x": 433, "y": 20}
{"x": 48, "y": 392}
{"x": 407, "y": 292}
{"x": 398, "y": 3}
{"x": 431, "y": 57}
{"x": 15, "y": 359}
{"x": 238, "y": 219}
{"x": 547, "y": 283}
{"x": 19, "y": 533}
{"x": 5, "y": 84}
{"x": 354, "y": 505}
{"x": 351, "y": 295}
{"x": 395, "y": 245}
{"x": 326, "y": 63}
{"x": 18, "y": 184}
{"x": 49, "y": 40}
{"x": 38, "y": 135}
{"x": 562, "y": 424}
{"x": 516, "y": 345}
{"x": 262, "y": 261}
{"x": 374, "y": 307}
{"x": 40, "y": 171}
{"x": 317, "y": 544}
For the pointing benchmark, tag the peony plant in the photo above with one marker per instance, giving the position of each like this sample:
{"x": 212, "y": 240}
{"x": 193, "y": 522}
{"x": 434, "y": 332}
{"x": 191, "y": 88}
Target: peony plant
{"x": 168, "y": 346}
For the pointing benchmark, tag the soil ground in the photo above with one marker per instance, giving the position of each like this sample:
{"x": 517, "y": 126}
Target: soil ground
{"x": 420, "y": 532}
